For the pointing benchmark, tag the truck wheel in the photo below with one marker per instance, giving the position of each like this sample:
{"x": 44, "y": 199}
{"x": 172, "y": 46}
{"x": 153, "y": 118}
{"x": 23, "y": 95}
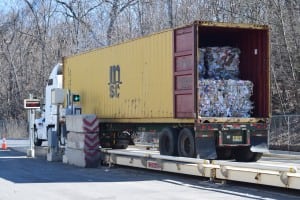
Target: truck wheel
{"x": 168, "y": 142}
{"x": 122, "y": 140}
{"x": 121, "y": 144}
{"x": 36, "y": 141}
{"x": 186, "y": 143}
{"x": 244, "y": 154}
{"x": 224, "y": 153}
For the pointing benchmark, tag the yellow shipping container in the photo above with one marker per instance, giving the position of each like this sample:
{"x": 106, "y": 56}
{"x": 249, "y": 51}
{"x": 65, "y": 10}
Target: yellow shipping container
{"x": 131, "y": 81}
{"x": 150, "y": 85}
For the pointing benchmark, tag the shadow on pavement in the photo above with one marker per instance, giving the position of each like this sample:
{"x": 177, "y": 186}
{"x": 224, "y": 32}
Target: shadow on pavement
{"x": 17, "y": 168}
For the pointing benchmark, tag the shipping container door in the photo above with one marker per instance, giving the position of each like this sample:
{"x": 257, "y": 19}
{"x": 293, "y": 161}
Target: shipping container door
{"x": 184, "y": 72}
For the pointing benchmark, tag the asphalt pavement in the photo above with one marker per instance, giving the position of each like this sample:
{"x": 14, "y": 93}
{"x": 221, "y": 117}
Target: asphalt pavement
{"x": 29, "y": 178}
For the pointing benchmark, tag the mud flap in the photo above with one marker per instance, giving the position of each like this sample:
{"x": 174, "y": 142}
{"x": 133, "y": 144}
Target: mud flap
{"x": 259, "y": 144}
{"x": 206, "y": 148}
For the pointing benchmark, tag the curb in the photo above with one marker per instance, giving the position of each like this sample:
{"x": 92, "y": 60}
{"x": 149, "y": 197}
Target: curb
{"x": 40, "y": 152}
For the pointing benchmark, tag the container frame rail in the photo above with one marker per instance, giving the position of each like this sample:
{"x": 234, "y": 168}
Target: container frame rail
{"x": 257, "y": 172}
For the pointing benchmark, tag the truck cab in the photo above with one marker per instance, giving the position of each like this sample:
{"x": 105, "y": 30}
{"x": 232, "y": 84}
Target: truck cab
{"x": 49, "y": 114}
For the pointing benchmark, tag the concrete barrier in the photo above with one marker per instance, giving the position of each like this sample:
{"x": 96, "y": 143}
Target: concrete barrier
{"x": 82, "y": 141}
{"x": 82, "y": 158}
{"x": 82, "y": 123}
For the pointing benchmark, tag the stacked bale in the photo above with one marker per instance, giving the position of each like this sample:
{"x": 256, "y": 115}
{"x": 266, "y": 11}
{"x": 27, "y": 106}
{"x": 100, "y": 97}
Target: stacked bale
{"x": 222, "y": 62}
{"x": 219, "y": 63}
{"x": 221, "y": 92}
{"x": 225, "y": 98}
{"x": 82, "y": 141}
{"x": 201, "y": 65}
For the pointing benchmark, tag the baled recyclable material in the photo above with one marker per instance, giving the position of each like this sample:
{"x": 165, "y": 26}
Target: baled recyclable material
{"x": 225, "y": 98}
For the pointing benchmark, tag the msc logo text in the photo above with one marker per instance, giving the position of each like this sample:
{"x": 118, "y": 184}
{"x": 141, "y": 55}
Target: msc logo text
{"x": 114, "y": 81}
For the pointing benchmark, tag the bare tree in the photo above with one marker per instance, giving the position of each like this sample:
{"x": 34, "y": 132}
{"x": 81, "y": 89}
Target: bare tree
{"x": 116, "y": 8}
{"x": 78, "y": 11}
{"x": 170, "y": 12}
{"x": 285, "y": 55}
{"x": 35, "y": 34}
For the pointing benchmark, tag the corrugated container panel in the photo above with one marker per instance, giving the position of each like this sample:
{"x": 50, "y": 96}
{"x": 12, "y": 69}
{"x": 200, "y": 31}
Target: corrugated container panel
{"x": 145, "y": 86}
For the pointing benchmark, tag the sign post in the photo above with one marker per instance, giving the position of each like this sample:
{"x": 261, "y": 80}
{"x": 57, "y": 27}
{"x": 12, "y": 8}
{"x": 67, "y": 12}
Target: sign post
{"x": 31, "y": 104}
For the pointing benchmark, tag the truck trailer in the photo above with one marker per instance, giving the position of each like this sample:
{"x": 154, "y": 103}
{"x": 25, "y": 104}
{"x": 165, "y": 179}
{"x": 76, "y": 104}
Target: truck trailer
{"x": 161, "y": 84}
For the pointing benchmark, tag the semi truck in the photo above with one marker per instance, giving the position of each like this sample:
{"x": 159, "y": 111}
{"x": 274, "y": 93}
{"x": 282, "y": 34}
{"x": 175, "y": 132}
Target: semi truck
{"x": 48, "y": 114}
{"x": 152, "y": 85}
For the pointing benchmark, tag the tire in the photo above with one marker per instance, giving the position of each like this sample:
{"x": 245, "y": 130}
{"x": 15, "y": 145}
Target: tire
{"x": 244, "y": 154}
{"x": 168, "y": 142}
{"x": 224, "y": 153}
{"x": 120, "y": 146}
{"x": 37, "y": 142}
{"x": 186, "y": 143}
{"x": 122, "y": 140}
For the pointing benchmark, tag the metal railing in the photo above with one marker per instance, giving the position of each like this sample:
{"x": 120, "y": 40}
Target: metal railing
{"x": 285, "y": 133}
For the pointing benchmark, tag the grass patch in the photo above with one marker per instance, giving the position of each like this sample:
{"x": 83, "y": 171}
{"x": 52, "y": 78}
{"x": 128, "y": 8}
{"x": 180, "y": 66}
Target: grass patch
{"x": 14, "y": 129}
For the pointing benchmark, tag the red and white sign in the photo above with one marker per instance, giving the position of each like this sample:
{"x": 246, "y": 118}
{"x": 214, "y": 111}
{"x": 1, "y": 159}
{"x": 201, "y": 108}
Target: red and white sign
{"x": 32, "y": 103}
